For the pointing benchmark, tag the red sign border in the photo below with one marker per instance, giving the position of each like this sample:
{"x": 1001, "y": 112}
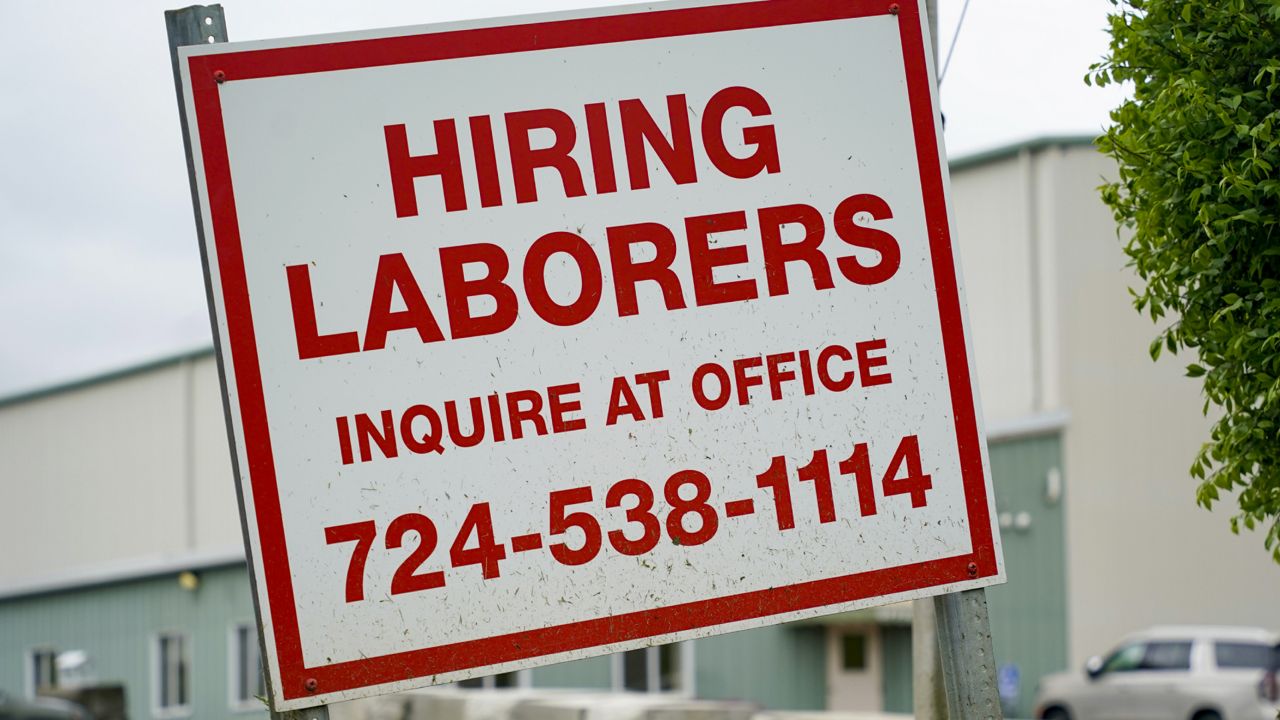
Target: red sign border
{"x": 300, "y": 681}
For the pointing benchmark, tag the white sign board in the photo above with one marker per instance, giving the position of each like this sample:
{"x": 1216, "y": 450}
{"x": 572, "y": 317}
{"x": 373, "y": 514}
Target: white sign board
{"x": 556, "y": 336}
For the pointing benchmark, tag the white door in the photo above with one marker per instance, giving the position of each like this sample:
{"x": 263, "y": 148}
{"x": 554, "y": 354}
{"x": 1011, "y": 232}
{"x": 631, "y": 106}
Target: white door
{"x": 854, "y": 680}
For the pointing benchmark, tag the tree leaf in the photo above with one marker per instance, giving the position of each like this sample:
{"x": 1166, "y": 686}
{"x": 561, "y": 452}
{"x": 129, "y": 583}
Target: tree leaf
{"x": 1196, "y": 144}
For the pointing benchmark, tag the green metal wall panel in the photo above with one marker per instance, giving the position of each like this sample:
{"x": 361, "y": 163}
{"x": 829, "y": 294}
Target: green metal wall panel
{"x": 590, "y": 674}
{"x": 779, "y": 667}
{"x": 895, "y": 644}
{"x": 1029, "y": 613}
{"x": 116, "y": 625}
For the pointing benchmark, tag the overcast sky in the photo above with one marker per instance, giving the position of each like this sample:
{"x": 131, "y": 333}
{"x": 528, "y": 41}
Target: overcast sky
{"x": 99, "y": 267}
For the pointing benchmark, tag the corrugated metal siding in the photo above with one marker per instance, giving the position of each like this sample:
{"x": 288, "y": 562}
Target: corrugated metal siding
{"x": 1029, "y": 613}
{"x": 116, "y": 625}
{"x": 778, "y": 667}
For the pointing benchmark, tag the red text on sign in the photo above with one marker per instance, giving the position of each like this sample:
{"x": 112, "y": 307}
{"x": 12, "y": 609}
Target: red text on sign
{"x": 682, "y": 508}
{"x": 642, "y": 134}
{"x": 484, "y": 270}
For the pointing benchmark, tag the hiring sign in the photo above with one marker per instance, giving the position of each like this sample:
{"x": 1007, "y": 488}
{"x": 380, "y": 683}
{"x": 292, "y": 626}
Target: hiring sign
{"x": 556, "y": 336}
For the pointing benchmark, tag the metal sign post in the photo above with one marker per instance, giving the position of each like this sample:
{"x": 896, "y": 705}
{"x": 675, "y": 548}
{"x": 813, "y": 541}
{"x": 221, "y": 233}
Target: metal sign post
{"x": 202, "y": 25}
{"x": 453, "y": 390}
{"x": 962, "y": 653}
{"x": 968, "y": 661}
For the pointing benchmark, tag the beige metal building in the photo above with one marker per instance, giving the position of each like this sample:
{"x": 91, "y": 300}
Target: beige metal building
{"x": 126, "y": 477}
{"x": 1054, "y": 332}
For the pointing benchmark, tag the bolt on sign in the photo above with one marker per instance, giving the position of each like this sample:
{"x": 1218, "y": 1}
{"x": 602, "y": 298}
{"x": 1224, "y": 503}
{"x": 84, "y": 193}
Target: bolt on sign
{"x": 554, "y": 336}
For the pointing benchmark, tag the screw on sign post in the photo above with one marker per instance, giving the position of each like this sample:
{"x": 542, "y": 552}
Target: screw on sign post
{"x": 660, "y": 336}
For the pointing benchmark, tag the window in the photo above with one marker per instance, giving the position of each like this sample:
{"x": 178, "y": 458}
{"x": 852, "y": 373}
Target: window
{"x": 1242, "y": 655}
{"x": 665, "y": 668}
{"x": 245, "y": 668}
{"x": 42, "y": 670}
{"x": 1167, "y": 656}
{"x": 635, "y": 670}
{"x": 1159, "y": 656}
{"x": 172, "y": 669}
{"x": 1126, "y": 659}
{"x": 519, "y": 678}
{"x": 853, "y": 652}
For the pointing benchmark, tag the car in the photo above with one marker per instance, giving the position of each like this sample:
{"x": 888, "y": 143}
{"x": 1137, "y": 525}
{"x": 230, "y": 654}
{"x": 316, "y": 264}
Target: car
{"x": 1172, "y": 673}
{"x": 41, "y": 708}
{"x": 1269, "y": 688}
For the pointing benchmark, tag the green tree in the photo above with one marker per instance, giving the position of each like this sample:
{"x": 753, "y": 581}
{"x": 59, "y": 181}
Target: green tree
{"x": 1198, "y": 145}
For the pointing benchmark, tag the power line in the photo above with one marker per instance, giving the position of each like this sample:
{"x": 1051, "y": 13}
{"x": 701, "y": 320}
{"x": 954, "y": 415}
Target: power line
{"x": 954, "y": 38}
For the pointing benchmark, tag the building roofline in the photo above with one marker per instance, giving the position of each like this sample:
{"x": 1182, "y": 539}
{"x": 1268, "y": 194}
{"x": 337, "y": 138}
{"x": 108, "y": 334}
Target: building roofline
{"x": 105, "y": 377}
{"x": 962, "y": 162}
{"x": 120, "y": 571}
{"x": 1037, "y": 424}
{"x": 1004, "y": 152}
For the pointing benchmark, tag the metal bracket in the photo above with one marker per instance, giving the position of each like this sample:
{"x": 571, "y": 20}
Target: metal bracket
{"x": 194, "y": 25}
